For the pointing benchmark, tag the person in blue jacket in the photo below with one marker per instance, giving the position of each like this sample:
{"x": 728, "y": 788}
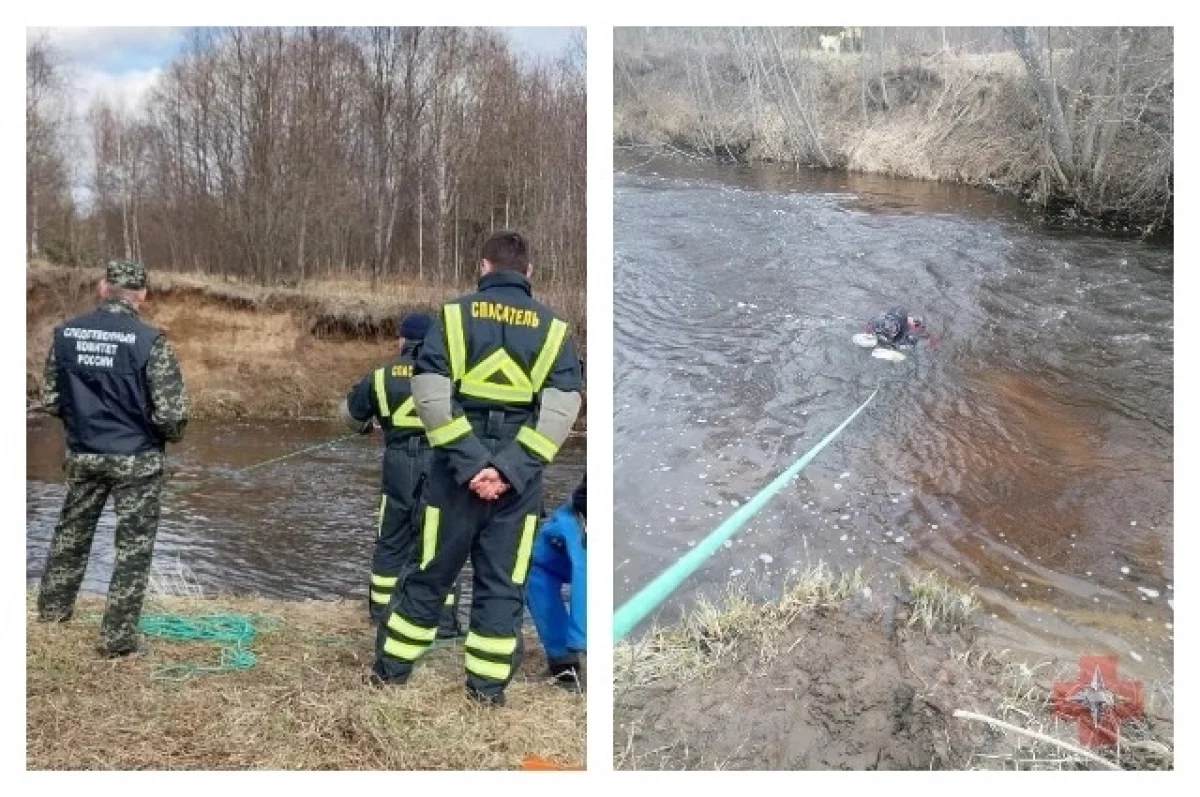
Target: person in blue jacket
{"x": 560, "y": 557}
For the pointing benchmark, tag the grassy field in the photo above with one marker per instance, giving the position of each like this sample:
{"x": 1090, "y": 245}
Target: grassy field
{"x": 303, "y": 706}
{"x": 249, "y": 351}
{"x": 836, "y": 676}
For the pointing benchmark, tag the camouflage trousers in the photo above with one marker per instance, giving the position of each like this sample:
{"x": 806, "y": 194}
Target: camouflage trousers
{"x": 135, "y": 483}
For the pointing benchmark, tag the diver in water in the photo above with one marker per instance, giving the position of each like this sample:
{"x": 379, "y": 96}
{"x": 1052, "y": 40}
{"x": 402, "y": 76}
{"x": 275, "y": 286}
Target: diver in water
{"x": 897, "y": 328}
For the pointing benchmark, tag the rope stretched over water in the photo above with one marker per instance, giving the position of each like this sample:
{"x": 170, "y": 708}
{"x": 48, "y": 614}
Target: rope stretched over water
{"x": 186, "y": 488}
{"x": 237, "y": 631}
{"x": 653, "y": 594}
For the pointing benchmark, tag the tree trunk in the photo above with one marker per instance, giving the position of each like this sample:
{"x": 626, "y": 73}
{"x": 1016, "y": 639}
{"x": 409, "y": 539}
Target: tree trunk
{"x": 804, "y": 116}
{"x": 303, "y": 234}
{"x": 882, "y": 76}
{"x": 34, "y": 251}
{"x": 137, "y": 235}
{"x": 125, "y": 228}
{"x": 1053, "y": 119}
{"x": 420, "y": 228}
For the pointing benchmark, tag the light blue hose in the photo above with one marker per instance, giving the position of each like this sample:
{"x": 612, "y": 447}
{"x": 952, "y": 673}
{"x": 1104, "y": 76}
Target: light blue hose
{"x": 653, "y": 594}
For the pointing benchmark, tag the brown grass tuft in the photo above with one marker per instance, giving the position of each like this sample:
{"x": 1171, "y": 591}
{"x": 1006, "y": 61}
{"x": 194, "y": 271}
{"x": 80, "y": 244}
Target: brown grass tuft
{"x": 711, "y": 633}
{"x": 304, "y": 706}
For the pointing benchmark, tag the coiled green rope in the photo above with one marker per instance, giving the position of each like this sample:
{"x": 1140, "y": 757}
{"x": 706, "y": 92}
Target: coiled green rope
{"x": 237, "y": 631}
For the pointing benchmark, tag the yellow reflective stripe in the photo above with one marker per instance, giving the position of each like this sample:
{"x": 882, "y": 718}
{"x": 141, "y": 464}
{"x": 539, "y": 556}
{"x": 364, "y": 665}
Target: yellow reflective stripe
{"x": 480, "y": 381}
{"x": 382, "y": 509}
{"x": 380, "y": 597}
{"x": 537, "y": 443}
{"x": 495, "y": 392}
{"x": 405, "y": 628}
{"x": 405, "y": 416}
{"x": 384, "y": 581}
{"x": 499, "y": 361}
{"x": 456, "y": 340}
{"x": 548, "y": 355}
{"x": 381, "y": 393}
{"x": 499, "y": 646}
{"x": 449, "y": 432}
{"x": 524, "y": 550}
{"x": 403, "y": 650}
{"x": 487, "y": 669}
{"x": 433, "y": 517}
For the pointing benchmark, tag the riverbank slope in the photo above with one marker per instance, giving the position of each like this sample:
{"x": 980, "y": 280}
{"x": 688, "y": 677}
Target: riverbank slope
{"x": 304, "y": 705}
{"x": 836, "y": 675}
{"x": 961, "y": 117}
{"x": 253, "y": 352}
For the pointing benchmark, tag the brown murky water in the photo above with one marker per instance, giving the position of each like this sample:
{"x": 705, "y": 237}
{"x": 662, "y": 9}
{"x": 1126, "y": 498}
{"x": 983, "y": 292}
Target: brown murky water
{"x": 1029, "y": 453}
{"x": 300, "y": 528}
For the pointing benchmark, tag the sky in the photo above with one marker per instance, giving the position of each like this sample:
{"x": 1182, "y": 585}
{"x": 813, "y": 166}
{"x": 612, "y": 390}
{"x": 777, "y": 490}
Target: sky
{"x": 123, "y": 63}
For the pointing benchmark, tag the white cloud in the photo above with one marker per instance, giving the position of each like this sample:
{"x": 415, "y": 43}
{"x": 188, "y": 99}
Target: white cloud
{"x": 537, "y": 43}
{"x": 123, "y": 91}
{"x": 109, "y": 48}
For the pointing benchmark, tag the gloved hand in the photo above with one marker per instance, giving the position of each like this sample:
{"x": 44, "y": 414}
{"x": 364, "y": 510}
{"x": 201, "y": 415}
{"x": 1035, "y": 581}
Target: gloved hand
{"x": 354, "y": 424}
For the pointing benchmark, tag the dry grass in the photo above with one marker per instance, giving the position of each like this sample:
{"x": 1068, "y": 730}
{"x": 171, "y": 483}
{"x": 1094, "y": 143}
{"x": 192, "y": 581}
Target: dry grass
{"x": 936, "y": 605}
{"x": 304, "y": 706}
{"x": 249, "y": 351}
{"x": 965, "y": 118}
{"x": 711, "y": 633}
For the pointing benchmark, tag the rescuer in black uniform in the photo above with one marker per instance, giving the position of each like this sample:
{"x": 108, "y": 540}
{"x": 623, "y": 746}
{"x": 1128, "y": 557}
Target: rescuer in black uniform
{"x": 497, "y": 385}
{"x": 384, "y": 396}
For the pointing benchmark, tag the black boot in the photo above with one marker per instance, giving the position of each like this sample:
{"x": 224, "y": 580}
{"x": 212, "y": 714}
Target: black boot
{"x": 116, "y": 653}
{"x": 495, "y": 699}
{"x": 377, "y": 678}
{"x": 565, "y": 673}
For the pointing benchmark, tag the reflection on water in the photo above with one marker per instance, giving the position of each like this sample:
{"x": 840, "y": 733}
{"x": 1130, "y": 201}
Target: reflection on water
{"x": 1030, "y": 452}
{"x": 299, "y": 528}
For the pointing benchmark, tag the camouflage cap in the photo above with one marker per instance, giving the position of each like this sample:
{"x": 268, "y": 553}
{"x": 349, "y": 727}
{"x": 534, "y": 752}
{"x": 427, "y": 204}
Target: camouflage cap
{"x": 126, "y": 274}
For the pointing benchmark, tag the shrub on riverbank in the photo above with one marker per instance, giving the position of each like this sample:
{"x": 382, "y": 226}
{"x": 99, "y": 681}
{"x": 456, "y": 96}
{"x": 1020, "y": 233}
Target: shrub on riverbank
{"x": 303, "y": 706}
{"x": 769, "y": 96}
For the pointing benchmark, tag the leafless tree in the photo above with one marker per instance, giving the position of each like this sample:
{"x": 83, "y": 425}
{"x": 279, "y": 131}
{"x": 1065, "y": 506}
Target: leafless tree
{"x": 45, "y": 169}
{"x": 1105, "y": 98}
{"x": 1077, "y": 118}
{"x": 276, "y": 154}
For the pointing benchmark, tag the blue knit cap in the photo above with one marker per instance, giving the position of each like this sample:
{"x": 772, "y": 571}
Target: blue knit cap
{"x": 414, "y": 326}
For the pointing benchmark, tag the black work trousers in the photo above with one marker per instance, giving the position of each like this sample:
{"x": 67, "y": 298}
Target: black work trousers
{"x": 397, "y": 532}
{"x": 497, "y": 536}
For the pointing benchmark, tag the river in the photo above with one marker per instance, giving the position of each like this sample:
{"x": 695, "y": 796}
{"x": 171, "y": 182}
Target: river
{"x": 1029, "y": 453}
{"x": 299, "y": 528}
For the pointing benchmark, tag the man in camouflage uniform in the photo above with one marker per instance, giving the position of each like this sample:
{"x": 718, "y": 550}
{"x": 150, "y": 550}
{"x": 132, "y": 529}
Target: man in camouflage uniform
{"x": 115, "y": 383}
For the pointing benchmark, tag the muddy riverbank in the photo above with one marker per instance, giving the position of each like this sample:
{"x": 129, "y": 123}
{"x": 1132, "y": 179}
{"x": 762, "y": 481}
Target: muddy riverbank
{"x": 253, "y": 352}
{"x": 841, "y": 673}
